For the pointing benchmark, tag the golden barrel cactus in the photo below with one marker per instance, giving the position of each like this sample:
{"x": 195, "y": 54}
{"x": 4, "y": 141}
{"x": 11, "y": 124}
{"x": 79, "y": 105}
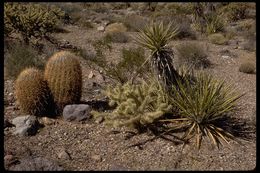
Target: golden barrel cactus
{"x": 32, "y": 93}
{"x": 64, "y": 76}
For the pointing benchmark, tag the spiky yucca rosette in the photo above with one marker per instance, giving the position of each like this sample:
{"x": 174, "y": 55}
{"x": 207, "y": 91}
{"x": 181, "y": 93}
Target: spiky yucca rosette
{"x": 155, "y": 37}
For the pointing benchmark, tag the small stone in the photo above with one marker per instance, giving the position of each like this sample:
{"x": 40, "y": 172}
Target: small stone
{"x": 99, "y": 120}
{"x": 47, "y": 121}
{"x": 225, "y": 57}
{"x": 63, "y": 155}
{"x": 101, "y": 28}
{"x": 91, "y": 75}
{"x": 96, "y": 158}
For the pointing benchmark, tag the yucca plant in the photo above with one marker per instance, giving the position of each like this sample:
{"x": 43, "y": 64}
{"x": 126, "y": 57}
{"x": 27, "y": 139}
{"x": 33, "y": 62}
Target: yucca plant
{"x": 155, "y": 37}
{"x": 201, "y": 106}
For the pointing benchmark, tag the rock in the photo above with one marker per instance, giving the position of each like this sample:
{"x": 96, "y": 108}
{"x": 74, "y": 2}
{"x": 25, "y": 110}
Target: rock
{"x": 100, "y": 78}
{"x": 225, "y": 57}
{"x": 7, "y": 124}
{"x": 76, "y": 112}
{"x": 63, "y": 154}
{"x": 91, "y": 75}
{"x": 26, "y": 125}
{"x": 36, "y": 164}
{"x": 101, "y": 28}
{"x": 47, "y": 121}
{"x": 96, "y": 158}
{"x": 99, "y": 120}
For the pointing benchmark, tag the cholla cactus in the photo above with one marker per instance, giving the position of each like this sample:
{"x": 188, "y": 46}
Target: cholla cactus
{"x": 30, "y": 20}
{"x": 138, "y": 106}
{"x": 155, "y": 37}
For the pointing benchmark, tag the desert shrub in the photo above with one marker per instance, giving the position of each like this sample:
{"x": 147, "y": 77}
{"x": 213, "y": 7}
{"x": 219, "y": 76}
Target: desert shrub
{"x": 217, "y": 38}
{"x": 214, "y": 23}
{"x": 250, "y": 37}
{"x": 182, "y": 22}
{"x": 193, "y": 55}
{"x": 248, "y": 67}
{"x": 135, "y": 22}
{"x": 116, "y": 27}
{"x": 31, "y": 20}
{"x": 179, "y": 8}
{"x": 122, "y": 71}
{"x": 138, "y": 105}
{"x": 202, "y": 108}
{"x": 207, "y": 18}
{"x": 117, "y": 37}
{"x": 19, "y": 57}
{"x": 236, "y": 11}
{"x": 118, "y": 6}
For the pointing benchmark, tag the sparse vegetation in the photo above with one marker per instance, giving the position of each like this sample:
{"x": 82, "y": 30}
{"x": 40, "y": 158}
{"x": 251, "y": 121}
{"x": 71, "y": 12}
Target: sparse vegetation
{"x": 117, "y": 37}
{"x": 30, "y": 20}
{"x": 19, "y": 57}
{"x": 248, "y": 67}
{"x": 193, "y": 55}
{"x": 138, "y": 105}
{"x": 201, "y": 108}
{"x": 217, "y": 38}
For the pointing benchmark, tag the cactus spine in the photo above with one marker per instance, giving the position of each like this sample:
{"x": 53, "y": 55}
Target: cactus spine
{"x": 32, "y": 93}
{"x": 64, "y": 76}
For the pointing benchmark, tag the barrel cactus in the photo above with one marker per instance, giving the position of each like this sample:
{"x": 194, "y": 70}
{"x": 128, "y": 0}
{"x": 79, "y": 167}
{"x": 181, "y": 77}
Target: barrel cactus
{"x": 32, "y": 93}
{"x": 64, "y": 76}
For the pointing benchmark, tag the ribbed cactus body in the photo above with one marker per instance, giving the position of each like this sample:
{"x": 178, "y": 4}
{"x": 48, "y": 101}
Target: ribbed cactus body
{"x": 64, "y": 76}
{"x": 32, "y": 93}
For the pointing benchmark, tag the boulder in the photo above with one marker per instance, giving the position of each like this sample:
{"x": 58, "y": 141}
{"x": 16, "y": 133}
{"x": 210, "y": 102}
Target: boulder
{"x": 25, "y": 125}
{"x": 36, "y": 164}
{"x": 76, "y": 112}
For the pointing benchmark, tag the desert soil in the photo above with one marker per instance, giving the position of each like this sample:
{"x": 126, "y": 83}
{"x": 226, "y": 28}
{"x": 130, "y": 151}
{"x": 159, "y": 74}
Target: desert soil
{"x": 94, "y": 146}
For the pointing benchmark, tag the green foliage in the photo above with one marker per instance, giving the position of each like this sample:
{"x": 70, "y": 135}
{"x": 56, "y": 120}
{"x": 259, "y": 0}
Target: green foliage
{"x": 30, "y": 20}
{"x": 217, "y": 38}
{"x": 116, "y": 37}
{"x": 138, "y": 106}
{"x": 19, "y": 57}
{"x": 214, "y": 23}
{"x": 156, "y": 37}
{"x": 193, "y": 55}
{"x": 201, "y": 107}
{"x": 248, "y": 67}
{"x": 64, "y": 76}
{"x": 32, "y": 93}
{"x": 130, "y": 63}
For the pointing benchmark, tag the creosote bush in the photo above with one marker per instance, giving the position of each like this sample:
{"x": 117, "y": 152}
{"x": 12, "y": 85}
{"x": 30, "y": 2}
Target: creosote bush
{"x": 193, "y": 55}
